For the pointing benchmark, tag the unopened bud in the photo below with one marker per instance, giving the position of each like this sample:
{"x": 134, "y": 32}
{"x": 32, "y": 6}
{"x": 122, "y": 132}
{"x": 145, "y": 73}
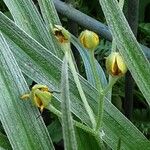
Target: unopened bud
{"x": 89, "y": 39}
{"x": 40, "y": 96}
{"x": 115, "y": 64}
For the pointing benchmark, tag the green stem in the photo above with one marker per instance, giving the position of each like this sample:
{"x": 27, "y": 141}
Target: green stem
{"x": 101, "y": 102}
{"x": 112, "y": 81}
{"x": 79, "y": 87}
{"x": 98, "y": 83}
{"x": 81, "y": 92}
{"x": 77, "y": 124}
{"x": 100, "y": 91}
{"x": 99, "y": 88}
{"x": 54, "y": 110}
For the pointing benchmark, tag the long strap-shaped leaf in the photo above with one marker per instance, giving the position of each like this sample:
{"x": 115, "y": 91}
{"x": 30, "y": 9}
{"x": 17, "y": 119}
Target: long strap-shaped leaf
{"x": 51, "y": 17}
{"x": 88, "y": 68}
{"x": 27, "y": 17}
{"x": 67, "y": 122}
{"x": 42, "y": 66}
{"x": 48, "y": 12}
{"x": 128, "y": 46}
{"x": 18, "y": 118}
{"x": 86, "y": 59}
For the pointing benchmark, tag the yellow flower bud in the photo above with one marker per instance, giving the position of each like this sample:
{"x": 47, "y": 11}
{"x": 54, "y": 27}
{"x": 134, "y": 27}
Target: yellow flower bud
{"x": 115, "y": 64}
{"x": 89, "y": 39}
{"x": 40, "y": 96}
{"x": 62, "y": 35}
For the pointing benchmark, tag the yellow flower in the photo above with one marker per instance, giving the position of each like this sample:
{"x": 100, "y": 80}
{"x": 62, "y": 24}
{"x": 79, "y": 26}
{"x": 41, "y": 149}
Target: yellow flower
{"x": 89, "y": 39}
{"x": 62, "y": 35}
{"x": 115, "y": 64}
{"x": 40, "y": 96}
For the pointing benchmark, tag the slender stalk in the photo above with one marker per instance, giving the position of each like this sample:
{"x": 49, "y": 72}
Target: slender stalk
{"x": 81, "y": 92}
{"x": 100, "y": 111}
{"x": 66, "y": 47}
{"x": 77, "y": 124}
{"x": 54, "y": 110}
{"x": 112, "y": 81}
{"x": 100, "y": 91}
{"x": 98, "y": 83}
{"x": 101, "y": 102}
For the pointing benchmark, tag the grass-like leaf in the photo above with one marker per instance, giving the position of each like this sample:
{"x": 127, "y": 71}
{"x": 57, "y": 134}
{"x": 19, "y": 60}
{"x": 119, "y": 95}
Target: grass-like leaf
{"x": 18, "y": 117}
{"x": 67, "y": 122}
{"x": 27, "y": 17}
{"x": 128, "y": 46}
{"x": 86, "y": 141}
{"x": 48, "y": 12}
{"x": 88, "y": 68}
{"x": 85, "y": 56}
{"x": 44, "y": 67}
{"x": 55, "y": 131}
{"x": 50, "y": 16}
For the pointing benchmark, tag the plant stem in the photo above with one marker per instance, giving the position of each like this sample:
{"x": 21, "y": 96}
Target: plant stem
{"x": 112, "y": 81}
{"x": 88, "y": 109}
{"x": 100, "y": 142}
{"x": 98, "y": 83}
{"x": 100, "y": 91}
{"x": 81, "y": 92}
{"x": 101, "y": 102}
{"x": 76, "y": 123}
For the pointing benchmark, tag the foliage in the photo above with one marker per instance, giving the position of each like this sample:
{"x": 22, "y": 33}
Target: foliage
{"x": 30, "y": 53}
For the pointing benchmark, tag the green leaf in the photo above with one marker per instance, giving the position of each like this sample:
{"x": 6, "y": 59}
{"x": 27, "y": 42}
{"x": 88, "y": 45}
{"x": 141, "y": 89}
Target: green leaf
{"x": 4, "y": 143}
{"x": 44, "y": 67}
{"x": 51, "y": 17}
{"x": 30, "y": 21}
{"x": 55, "y": 131}
{"x": 18, "y": 117}
{"x": 128, "y": 46}
{"x": 88, "y": 68}
{"x": 85, "y": 56}
{"x": 67, "y": 122}
{"x": 48, "y": 12}
{"x": 86, "y": 141}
